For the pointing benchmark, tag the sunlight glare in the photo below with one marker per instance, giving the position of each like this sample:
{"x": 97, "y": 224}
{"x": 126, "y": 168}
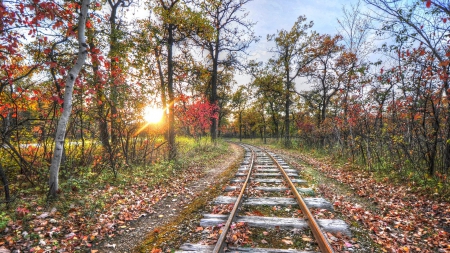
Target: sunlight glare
{"x": 153, "y": 114}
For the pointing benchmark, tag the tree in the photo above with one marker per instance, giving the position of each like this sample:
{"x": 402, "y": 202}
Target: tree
{"x": 354, "y": 28}
{"x": 169, "y": 11}
{"x": 116, "y": 57}
{"x": 268, "y": 85}
{"x": 178, "y": 22}
{"x": 238, "y": 102}
{"x": 292, "y": 53}
{"x": 423, "y": 25}
{"x": 329, "y": 71}
{"x": 67, "y": 108}
{"x": 232, "y": 36}
{"x": 194, "y": 115}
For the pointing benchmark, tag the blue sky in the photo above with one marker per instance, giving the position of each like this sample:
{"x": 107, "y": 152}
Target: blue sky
{"x": 281, "y": 14}
{"x": 273, "y": 15}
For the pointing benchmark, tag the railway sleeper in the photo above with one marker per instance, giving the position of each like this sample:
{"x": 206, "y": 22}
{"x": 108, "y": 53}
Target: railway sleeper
{"x": 200, "y": 248}
{"x": 308, "y": 191}
{"x": 267, "y": 174}
{"x": 244, "y": 169}
{"x": 320, "y": 203}
{"x": 268, "y": 180}
{"x": 328, "y": 225}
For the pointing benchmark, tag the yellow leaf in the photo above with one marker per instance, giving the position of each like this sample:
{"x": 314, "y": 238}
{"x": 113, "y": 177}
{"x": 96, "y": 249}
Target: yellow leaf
{"x": 287, "y": 242}
{"x": 306, "y": 239}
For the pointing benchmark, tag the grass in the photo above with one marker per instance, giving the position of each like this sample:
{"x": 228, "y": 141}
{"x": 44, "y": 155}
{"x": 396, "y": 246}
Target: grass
{"x": 171, "y": 235}
{"x": 90, "y": 193}
{"x": 436, "y": 187}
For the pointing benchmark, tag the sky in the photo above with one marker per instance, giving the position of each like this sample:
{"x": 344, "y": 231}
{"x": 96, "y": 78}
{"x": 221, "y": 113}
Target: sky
{"x": 273, "y": 15}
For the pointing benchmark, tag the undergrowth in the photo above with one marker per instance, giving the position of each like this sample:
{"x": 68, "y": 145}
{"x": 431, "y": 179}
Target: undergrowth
{"x": 419, "y": 181}
{"x": 78, "y": 189}
{"x": 170, "y": 236}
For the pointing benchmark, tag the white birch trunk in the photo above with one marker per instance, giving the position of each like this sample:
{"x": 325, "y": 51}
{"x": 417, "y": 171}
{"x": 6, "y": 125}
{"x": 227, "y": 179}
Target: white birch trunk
{"x": 67, "y": 108}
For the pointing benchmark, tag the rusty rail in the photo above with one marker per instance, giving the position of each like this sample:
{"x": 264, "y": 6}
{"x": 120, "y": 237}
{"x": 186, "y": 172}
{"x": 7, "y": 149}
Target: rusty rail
{"x": 221, "y": 241}
{"x": 324, "y": 246}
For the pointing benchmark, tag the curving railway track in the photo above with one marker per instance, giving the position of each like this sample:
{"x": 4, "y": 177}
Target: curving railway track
{"x": 268, "y": 194}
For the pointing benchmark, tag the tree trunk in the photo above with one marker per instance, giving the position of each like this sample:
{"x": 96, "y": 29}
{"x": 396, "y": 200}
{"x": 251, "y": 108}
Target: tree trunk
{"x": 171, "y": 132}
{"x": 163, "y": 90}
{"x": 67, "y": 108}
{"x": 240, "y": 126}
{"x": 287, "y": 138}
{"x": 4, "y": 180}
{"x": 213, "y": 97}
{"x": 274, "y": 121}
{"x": 114, "y": 71}
{"x": 101, "y": 114}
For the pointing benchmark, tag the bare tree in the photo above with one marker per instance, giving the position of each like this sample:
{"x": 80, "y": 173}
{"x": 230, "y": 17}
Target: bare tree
{"x": 232, "y": 36}
{"x": 292, "y": 54}
{"x": 422, "y": 24}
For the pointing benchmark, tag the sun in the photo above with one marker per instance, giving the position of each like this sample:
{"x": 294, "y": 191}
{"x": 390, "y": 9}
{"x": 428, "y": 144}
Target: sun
{"x": 153, "y": 114}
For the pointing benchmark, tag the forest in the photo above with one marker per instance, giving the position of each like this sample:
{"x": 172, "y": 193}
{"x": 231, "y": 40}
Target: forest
{"x": 82, "y": 83}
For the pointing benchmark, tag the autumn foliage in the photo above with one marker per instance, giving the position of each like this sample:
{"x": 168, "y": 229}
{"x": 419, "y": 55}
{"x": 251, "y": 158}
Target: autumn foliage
{"x": 195, "y": 115}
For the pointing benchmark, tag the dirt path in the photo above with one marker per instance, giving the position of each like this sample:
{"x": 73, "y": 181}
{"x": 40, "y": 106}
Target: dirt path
{"x": 168, "y": 208}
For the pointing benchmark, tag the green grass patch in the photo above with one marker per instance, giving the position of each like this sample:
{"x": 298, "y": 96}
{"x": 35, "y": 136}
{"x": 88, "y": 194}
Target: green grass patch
{"x": 92, "y": 191}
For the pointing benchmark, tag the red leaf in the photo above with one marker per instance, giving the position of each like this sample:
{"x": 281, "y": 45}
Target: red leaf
{"x": 428, "y": 3}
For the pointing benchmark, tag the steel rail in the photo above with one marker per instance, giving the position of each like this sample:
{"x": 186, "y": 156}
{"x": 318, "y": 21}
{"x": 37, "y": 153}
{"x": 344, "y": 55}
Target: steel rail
{"x": 220, "y": 242}
{"x": 324, "y": 246}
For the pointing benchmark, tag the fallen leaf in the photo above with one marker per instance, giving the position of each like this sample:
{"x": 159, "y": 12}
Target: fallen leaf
{"x": 110, "y": 246}
{"x": 307, "y": 239}
{"x": 287, "y": 242}
{"x": 4, "y": 250}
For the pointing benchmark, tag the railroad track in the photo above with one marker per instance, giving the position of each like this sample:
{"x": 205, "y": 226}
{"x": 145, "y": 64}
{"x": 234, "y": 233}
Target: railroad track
{"x": 266, "y": 194}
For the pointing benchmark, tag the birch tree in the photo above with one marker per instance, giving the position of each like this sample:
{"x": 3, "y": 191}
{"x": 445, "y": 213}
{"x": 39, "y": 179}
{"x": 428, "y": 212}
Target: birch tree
{"x": 67, "y": 108}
